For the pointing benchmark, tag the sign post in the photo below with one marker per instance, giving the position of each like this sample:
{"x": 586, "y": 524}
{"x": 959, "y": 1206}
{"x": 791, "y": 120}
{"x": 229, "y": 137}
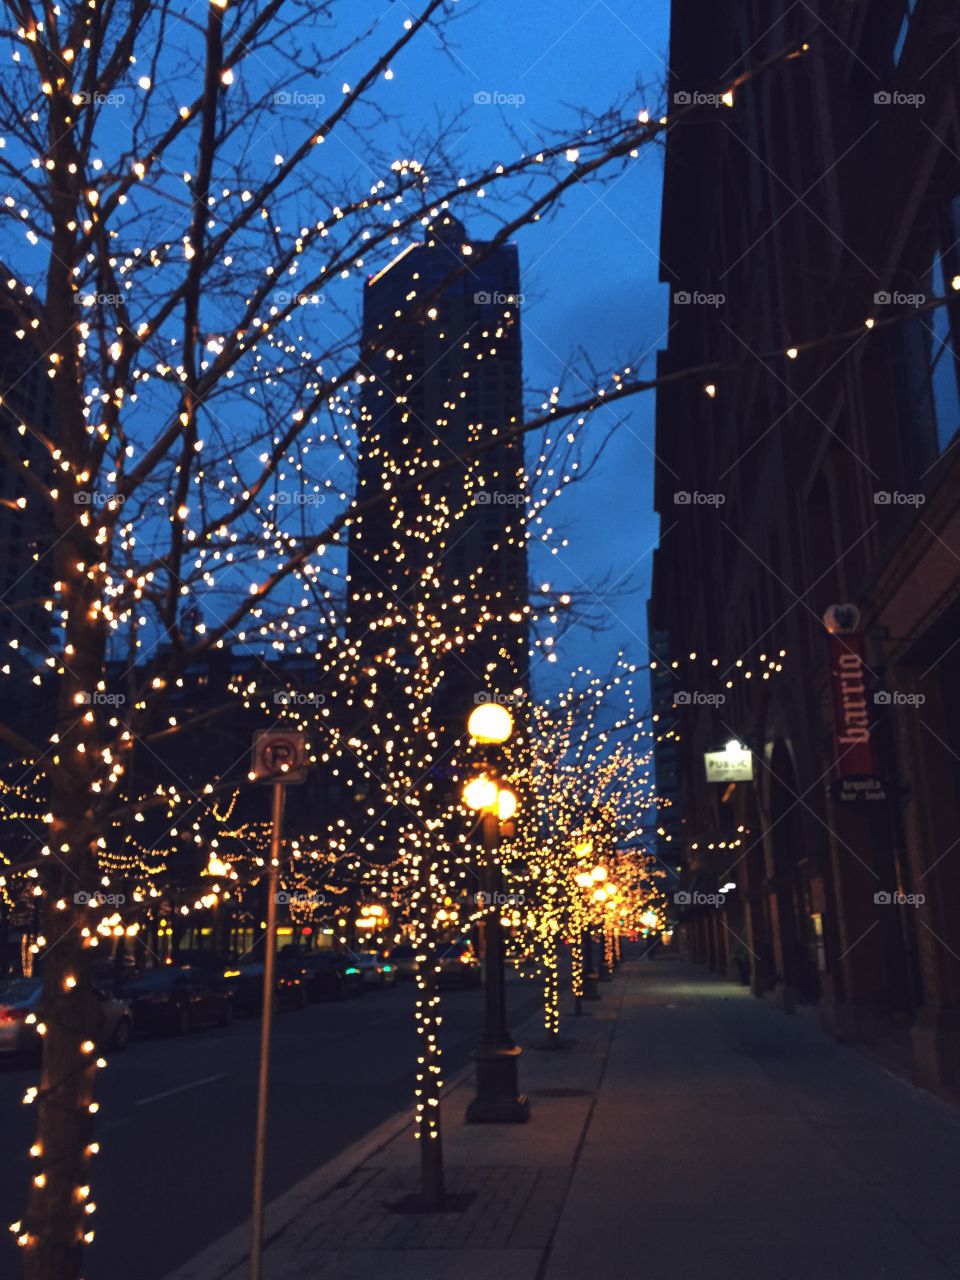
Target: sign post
{"x": 279, "y": 758}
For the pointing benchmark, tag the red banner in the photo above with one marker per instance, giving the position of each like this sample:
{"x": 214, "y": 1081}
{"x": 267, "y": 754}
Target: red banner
{"x": 855, "y": 753}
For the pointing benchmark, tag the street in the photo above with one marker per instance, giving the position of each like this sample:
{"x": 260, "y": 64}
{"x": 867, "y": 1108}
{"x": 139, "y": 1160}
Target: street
{"x": 176, "y": 1119}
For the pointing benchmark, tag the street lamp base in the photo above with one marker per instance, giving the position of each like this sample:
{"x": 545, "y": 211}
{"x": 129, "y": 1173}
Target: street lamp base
{"x": 498, "y": 1100}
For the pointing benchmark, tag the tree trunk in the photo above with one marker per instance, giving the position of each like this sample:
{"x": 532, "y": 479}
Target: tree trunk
{"x": 59, "y": 1217}
{"x": 551, "y": 988}
{"x": 428, "y": 1125}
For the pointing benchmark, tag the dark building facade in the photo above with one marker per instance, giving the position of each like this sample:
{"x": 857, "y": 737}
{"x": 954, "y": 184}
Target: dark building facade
{"x": 809, "y": 230}
{"x": 442, "y": 355}
{"x": 662, "y": 690}
{"x": 26, "y": 523}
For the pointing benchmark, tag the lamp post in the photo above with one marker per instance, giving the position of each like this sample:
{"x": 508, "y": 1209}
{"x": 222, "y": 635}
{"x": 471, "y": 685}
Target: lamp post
{"x": 497, "y": 1100}
{"x": 590, "y": 992}
{"x": 578, "y": 965}
{"x": 599, "y": 895}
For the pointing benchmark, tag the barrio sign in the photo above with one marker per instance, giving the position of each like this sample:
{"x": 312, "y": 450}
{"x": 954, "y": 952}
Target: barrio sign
{"x": 852, "y": 741}
{"x": 854, "y": 749}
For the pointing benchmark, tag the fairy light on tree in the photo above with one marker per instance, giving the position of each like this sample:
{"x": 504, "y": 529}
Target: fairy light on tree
{"x": 585, "y": 771}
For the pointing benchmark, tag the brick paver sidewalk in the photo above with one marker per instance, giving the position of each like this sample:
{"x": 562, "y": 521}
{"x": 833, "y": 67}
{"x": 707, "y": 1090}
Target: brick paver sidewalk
{"x": 688, "y": 1132}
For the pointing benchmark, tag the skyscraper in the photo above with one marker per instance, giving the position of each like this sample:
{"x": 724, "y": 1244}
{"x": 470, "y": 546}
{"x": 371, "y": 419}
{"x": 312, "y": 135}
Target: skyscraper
{"x": 442, "y": 357}
{"x": 26, "y": 524}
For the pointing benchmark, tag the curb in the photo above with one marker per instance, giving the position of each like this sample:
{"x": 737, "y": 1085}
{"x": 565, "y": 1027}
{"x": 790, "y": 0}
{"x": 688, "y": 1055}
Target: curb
{"x": 232, "y": 1249}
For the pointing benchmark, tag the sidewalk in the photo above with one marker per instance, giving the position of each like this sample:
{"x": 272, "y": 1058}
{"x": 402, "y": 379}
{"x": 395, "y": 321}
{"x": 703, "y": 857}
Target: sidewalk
{"x": 689, "y": 1132}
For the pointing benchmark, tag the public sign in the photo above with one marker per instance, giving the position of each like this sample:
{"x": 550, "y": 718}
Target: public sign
{"x": 733, "y": 764}
{"x": 279, "y": 756}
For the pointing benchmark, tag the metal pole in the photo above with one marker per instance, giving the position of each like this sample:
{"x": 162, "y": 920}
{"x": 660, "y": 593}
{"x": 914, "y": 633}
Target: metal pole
{"x": 496, "y": 1032}
{"x": 266, "y": 1026}
{"x": 498, "y": 1099}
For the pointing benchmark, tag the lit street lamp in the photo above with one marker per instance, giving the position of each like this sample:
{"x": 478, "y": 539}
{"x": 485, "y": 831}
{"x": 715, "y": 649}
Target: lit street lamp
{"x": 604, "y": 895}
{"x": 591, "y": 883}
{"x": 497, "y": 1100}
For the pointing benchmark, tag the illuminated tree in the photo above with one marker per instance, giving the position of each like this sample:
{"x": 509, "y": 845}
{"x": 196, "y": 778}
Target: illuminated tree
{"x": 401, "y": 678}
{"x": 584, "y": 770}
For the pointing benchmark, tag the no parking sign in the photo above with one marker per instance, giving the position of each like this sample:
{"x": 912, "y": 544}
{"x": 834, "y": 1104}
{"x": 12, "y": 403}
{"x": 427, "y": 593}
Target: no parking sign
{"x": 279, "y": 756}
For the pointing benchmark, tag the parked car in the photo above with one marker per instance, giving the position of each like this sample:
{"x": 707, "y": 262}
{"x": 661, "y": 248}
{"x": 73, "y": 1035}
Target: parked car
{"x": 20, "y": 1013}
{"x": 176, "y": 999}
{"x": 112, "y": 974}
{"x": 403, "y": 958}
{"x": 245, "y": 982}
{"x": 210, "y": 963}
{"x": 376, "y": 973}
{"x": 389, "y": 970}
{"x": 459, "y": 966}
{"x": 330, "y": 975}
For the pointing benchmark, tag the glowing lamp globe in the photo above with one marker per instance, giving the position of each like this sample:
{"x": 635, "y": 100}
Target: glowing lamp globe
{"x": 480, "y": 793}
{"x": 584, "y": 879}
{"x": 599, "y": 873}
{"x": 490, "y": 722}
{"x": 506, "y": 804}
{"x": 649, "y": 918}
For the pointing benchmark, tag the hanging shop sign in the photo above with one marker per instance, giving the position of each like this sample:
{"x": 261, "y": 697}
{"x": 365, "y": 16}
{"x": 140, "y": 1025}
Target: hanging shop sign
{"x": 855, "y": 758}
{"x": 733, "y": 764}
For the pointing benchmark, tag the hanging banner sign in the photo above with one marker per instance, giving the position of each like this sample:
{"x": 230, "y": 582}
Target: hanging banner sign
{"x": 856, "y": 766}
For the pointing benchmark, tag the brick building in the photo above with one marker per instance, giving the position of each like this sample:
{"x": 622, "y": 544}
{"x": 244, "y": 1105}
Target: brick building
{"x": 808, "y": 231}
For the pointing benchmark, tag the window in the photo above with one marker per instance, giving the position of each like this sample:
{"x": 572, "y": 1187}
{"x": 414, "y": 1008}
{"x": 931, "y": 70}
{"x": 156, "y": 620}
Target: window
{"x": 924, "y": 348}
{"x": 908, "y": 12}
{"x": 941, "y": 326}
{"x": 942, "y": 351}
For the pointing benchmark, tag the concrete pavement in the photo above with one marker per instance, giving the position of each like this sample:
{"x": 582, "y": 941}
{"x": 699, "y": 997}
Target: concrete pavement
{"x": 732, "y": 1141}
{"x": 689, "y": 1131}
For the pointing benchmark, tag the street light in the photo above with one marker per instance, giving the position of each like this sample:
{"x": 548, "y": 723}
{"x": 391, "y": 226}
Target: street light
{"x": 481, "y": 793}
{"x": 498, "y": 1099}
{"x": 604, "y": 895}
{"x": 490, "y": 723}
{"x": 588, "y": 881}
{"x": 506, "y": 804}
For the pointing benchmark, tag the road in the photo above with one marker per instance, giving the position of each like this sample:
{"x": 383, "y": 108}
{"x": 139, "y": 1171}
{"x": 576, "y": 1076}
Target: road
{"x": 176, "y": 1119}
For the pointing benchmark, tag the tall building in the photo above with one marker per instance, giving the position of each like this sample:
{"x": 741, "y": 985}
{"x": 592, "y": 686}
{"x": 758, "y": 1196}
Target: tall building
{"x": 26, "y": 524}
{"x": 808, "y": 230}
{"x": 442, "y": 355}
{"x": 668, "y": 825}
